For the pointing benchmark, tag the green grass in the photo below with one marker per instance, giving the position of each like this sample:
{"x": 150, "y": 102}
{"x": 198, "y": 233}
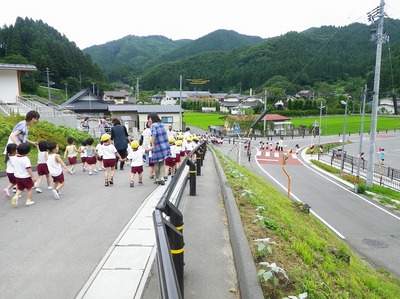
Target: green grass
{"x": 315, "y": 260}
{"x": 331, "y": 125}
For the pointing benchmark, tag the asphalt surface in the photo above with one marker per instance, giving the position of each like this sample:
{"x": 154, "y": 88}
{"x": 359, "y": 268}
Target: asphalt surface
{"x": 52, "y": 249}
{"x": 370, "y": 228}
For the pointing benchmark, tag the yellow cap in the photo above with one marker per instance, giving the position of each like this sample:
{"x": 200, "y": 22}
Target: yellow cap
{"x": 171, "y": 139}
{"x": 179, "y": 142}
{"x": 134, "y": 144}
{"x": 105, "y": 137}
{"x": 180, "y": 137}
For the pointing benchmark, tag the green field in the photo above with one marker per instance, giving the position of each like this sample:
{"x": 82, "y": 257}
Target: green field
{"x": 331, "y": 125}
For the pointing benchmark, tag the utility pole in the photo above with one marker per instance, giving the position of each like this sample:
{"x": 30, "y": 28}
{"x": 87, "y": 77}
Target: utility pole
{"x": 48, "y": 82}
{"x": 180, "y": 104}
{"x": 375, "y": 98}
{"x": 265, "y": 107}
{"x": 137, "y": 88}
{"x": 66, "y": 91}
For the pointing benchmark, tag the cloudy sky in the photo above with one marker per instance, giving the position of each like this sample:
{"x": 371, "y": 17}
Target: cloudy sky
{"x": 89, "y": 22}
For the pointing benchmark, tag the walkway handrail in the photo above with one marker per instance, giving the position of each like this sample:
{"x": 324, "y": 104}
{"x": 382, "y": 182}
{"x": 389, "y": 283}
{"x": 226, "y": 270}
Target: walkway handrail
{"x": 169, "y": 286}
{"x": 168, "y": 224}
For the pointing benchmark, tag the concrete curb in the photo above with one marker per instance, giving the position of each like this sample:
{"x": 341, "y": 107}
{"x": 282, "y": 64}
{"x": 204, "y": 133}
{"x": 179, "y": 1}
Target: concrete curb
{"x": 249, "y": 285}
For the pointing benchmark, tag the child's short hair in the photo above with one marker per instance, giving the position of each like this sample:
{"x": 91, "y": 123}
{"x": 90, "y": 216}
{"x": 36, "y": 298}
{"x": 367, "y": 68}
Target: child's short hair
{"x": 84, "y": 142}
{"x": 11, "y": 147}
{"x": 70, "y": 140}
{"x": 23, "y": 148}
{"x": 42, "y": 146}
{"x": 51, "y": 146}
{"x": 90, "y": 141}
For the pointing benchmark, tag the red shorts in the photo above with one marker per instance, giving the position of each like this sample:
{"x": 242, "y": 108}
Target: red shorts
{"x": 169, "y": 161}
{"x": 58, "y": 179}
{"x": 178, "y": 159}
{"x": 83, "y": 159}
{"x": 183, "y": 153}
{"x": 72, "y": 160}
{"x": 25, "y": 183}
{"x": 91, "y": 160}
{"x": 151, "y": 163}
{"x": 42, "y": 169}
{"x": 11, "y": 178}
{"x": 137, "y": 169}
{"x": 108, "y": 163}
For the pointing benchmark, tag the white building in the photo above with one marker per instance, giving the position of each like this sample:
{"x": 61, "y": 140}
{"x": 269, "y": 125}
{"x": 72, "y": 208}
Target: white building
{"x": 10, "y": 81}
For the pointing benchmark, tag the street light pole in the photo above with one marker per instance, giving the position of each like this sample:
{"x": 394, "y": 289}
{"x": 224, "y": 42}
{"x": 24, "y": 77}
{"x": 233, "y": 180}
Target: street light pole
{"x": 344, "y": 135}
{"x": 361, "y": 140}
{"x": 265, "y": 107}
{"x": 180, "y": 103}
{"x": 320, "y": 123}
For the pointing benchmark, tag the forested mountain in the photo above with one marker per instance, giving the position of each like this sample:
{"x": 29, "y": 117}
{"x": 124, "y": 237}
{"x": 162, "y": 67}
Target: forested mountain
{"x": 37, "y": 43}
{"x": 132, "y": 55}
{"x": 219, "y": 40}
{"x": 327, "y": 54}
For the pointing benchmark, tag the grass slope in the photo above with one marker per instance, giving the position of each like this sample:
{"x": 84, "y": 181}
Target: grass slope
{"x": 314, "y": 260}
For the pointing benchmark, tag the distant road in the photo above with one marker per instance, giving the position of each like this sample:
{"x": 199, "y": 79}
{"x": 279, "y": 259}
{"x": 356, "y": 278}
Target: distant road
{"x": 365, "y": 225}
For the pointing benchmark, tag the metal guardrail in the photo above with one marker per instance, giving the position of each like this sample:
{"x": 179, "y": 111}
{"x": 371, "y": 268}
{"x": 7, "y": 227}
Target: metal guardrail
{"x": 168, "y": 225}
{"x": 383, "y": 175}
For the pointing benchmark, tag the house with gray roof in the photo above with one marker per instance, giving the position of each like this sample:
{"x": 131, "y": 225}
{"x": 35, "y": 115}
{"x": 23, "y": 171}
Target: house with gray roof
{"x": 136, "y": 115}
{"x": 86, "y": 102}
{"x": 118, "y": 97}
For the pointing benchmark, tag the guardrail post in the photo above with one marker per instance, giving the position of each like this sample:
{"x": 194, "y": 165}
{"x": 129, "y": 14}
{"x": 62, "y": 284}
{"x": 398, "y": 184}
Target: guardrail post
{"x": 192, "y": 177}
{"x": 198, "y": 161}
{"x": 177, "y": 244}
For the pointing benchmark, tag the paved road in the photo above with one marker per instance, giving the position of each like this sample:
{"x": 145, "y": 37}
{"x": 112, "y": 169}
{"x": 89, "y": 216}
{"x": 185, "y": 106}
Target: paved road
{"x": 50, "y": 249}
{"x": 365, "y": 225}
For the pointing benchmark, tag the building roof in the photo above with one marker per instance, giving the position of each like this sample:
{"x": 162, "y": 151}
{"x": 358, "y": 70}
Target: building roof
{"x": 268, "y": 117}
{"x": 117, "y": 94}
{"x": 80, "y": 102}
{"x": 18, "y": 67}
{"x": 176, "y": 94}
{"x": 142, "y": 109}
{"x": 275, "y": 117}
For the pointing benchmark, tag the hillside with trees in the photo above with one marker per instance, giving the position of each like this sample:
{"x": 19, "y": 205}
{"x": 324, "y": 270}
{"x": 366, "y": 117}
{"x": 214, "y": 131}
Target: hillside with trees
{"x": 327, "y": 59}
{"x": 35, "y": 42}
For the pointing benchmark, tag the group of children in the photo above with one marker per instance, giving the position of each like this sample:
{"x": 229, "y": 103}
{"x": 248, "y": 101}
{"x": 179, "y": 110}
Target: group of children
{"x": 179, "y": 147}
{"x": 20, "y": 174}
{"x": 104, "y": 157}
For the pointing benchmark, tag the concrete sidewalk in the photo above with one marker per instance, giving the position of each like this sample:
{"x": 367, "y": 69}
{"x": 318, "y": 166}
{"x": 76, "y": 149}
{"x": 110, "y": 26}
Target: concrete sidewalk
{"x": 217, "y": 257}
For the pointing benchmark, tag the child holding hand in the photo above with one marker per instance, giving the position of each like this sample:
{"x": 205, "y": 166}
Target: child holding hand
{"x": 23, "y": 174}
{"x": 55, "y": 165}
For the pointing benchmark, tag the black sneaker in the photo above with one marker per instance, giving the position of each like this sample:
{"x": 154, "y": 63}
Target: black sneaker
{"x": 162, "y": 182}
{"x": 111, "y": 181}
{"x": 131, "y": 184}
{"x": 106, "y": 183}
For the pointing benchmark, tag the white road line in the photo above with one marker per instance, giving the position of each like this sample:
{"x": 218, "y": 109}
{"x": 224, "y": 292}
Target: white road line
{"x": 296, "y": 198}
